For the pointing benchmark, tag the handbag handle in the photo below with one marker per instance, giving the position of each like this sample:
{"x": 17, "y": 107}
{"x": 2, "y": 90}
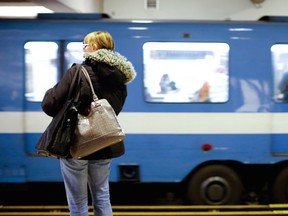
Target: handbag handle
{"x": 90, "y": 83}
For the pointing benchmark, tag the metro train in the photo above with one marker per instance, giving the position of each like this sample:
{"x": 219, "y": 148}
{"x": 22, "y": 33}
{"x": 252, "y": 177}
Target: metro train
{"x": 207, "y": 110}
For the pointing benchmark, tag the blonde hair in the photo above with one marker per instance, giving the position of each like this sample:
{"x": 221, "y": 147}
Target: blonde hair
{"x": 103, "y": 40}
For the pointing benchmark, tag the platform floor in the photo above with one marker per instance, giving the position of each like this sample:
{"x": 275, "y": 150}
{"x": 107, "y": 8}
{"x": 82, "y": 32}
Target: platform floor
{"x": 263, "y": 210}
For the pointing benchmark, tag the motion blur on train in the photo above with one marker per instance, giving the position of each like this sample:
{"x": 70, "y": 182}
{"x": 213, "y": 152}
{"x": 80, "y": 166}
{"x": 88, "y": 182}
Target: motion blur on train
{"x": 207, "y": 110}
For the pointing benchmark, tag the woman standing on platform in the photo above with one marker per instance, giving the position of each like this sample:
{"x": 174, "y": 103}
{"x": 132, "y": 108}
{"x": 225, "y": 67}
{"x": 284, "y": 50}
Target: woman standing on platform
{"x": 110, "y": 72}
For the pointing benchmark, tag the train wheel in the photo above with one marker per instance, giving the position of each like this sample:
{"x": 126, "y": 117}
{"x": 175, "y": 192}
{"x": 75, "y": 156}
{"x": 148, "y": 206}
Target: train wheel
{"x": 215, "y": 185}
{"x": 280, "y": 187}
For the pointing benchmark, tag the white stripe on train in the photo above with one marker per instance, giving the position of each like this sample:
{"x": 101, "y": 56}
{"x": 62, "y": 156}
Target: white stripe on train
{"x": 164, "y": 123}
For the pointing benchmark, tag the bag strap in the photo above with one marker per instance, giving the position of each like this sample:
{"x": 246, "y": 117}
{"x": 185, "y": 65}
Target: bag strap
{"x": 90, "y": 83}
{"x": 75, "y": 84}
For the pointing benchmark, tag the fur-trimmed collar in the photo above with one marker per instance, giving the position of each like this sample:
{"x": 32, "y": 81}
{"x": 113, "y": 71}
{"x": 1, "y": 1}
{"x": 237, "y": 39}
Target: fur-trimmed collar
{"x": 113, "y": 59}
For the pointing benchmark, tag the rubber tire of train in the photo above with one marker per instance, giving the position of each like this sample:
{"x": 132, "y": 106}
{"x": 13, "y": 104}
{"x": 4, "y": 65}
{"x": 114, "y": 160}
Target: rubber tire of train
{"x": 280, "y": 187}
{"x": 215, "y": 178}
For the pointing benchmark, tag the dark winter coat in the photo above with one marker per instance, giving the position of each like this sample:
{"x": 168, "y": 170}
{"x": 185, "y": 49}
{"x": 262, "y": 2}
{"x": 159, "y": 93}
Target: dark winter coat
{"x": 110, "y": 72}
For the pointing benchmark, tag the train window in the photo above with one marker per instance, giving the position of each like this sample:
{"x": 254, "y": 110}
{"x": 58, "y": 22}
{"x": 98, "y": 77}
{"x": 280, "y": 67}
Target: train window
{"x": 74, "y": 53}
{"x": 280, "y": 69}
{"x": 41, "y": 68}
{"x": 186, "y": 72}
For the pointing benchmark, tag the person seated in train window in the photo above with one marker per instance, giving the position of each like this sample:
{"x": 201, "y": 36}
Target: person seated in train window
{"x": 172, "y": 86}
{"x": 202, "y": 95}
{"x": 167, "y": 86}
{"x": 283, "y": 89}
{"x": 164, "y": 83}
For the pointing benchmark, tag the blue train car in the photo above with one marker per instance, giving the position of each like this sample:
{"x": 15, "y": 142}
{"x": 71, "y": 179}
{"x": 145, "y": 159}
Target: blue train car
{"x": 208, "y": 108}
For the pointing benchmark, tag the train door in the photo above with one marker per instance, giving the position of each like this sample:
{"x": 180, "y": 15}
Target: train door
{"x": 45, "y": 63}
{"x": 40, "y": 72}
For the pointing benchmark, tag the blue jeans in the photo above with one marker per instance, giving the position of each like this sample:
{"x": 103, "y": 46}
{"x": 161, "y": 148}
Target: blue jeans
{"x": 78, "y": 175}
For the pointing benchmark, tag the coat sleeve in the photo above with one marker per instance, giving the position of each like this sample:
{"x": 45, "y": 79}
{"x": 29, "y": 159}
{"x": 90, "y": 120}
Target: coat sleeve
{"x": 55, "y": 97}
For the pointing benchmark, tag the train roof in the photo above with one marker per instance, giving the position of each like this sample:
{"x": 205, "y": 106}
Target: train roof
{"x": 80, "y": 16}
{"x": 106, "y": 17}
{"x": 274, "y": 18}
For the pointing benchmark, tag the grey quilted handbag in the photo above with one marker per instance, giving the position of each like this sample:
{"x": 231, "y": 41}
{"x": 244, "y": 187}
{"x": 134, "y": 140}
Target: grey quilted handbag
{"x": 99, "y": 129}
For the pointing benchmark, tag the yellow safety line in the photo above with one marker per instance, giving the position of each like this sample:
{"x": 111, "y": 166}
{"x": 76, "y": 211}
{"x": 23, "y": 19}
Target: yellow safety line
{"x": 270, "y": 206}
